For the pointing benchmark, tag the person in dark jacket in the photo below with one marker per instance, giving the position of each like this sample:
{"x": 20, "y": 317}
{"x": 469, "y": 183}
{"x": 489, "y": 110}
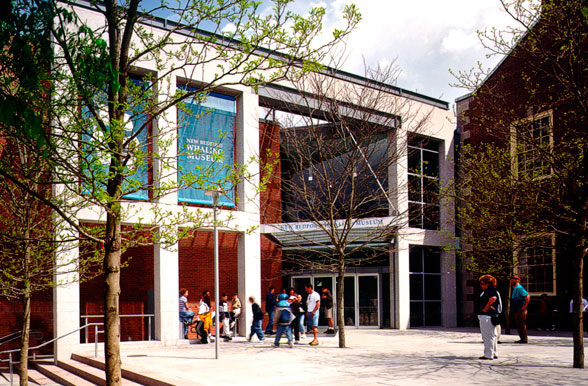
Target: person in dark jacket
{"x": 257, "y": 320}
{"x": 488, "y": 303}
{"x": 270, "y": 306}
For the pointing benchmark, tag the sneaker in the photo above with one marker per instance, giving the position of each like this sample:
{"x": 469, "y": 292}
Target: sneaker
{"x": 521, "y": 341}
{"x": 290, "y": 344}
{"x": 303, "y": 336}
{"x": 330, "y": 331}
{"x": 485, "y": 359}
{"x": 232, "y": 325}
{"x": 275, "y": 345}
{"x": 495, "y": 356}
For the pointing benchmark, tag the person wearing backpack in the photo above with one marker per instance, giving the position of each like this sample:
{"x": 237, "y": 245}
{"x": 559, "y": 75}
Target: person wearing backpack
{"x": 283, "y": 316}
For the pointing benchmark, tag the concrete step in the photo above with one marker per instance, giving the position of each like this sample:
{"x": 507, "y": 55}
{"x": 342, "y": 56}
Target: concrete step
{"x": 60, "y": 375}
{"x": 35, "y": 378}
{"x": 128, "y": 376}
{"x": 89, "y": 372}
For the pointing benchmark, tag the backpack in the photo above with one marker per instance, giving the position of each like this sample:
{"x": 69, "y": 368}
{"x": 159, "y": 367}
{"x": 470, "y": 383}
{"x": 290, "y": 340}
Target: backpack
{"x": 497, "y": 317}
{"x": 284, "y": 316}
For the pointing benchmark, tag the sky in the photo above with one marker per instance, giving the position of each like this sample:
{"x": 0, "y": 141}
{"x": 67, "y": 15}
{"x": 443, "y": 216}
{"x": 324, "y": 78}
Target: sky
{"x": 425, "y": 38}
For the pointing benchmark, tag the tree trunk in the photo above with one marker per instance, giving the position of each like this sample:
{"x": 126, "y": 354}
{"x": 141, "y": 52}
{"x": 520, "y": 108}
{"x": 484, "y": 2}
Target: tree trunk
{"x": 23, "y": 368}
{"x": 340, "y": 305}
{"x": 112, "y": 263}
{"x": 577, "y": 315}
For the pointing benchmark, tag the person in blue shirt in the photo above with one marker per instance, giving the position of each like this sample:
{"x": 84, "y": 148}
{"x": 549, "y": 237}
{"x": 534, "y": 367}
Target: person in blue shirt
{"x": 519, "y": 301}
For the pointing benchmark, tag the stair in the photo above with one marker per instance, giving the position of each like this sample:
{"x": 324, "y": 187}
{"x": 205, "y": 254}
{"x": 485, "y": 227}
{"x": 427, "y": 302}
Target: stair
{"x": 84, "y": 371}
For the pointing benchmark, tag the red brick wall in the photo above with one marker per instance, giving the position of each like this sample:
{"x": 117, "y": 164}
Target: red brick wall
{"x": 41, "y": 321}
{"x": 136, "y": 284}
{"x": 197, "y": 264}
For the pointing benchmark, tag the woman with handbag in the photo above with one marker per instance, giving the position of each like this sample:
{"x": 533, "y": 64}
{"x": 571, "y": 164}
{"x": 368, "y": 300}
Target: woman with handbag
{"x": 487, "y": 306}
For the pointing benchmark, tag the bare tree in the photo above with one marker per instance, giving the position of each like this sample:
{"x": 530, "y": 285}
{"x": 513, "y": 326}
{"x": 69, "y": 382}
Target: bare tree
{"x": 339, "y": 143}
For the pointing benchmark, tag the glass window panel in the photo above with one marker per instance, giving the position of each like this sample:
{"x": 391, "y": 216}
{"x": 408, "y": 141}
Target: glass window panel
{"x": 431, "y": 217}
{"x": 417, "y": 317}
{"x": 415, "y": 215}
{"x": 416, "y": 259}
{"x": 414, "y": 188}
{"x": 416, "y": 286}
{"x": 432, "y": 313}
{"x": 430, "y": 164}
{"x": 430, "y": 190}
{"x": 432, "y": 287}
{"x": 432, "y": 261}
{"x": 414, "y": 160}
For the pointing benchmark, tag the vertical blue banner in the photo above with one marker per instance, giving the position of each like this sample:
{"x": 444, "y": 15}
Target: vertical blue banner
{"x": 206, "y": 147}
{"x": 97, "y": 164}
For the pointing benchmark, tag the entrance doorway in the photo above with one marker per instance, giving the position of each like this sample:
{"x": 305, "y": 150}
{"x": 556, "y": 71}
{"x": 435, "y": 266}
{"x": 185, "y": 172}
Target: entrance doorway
{"x": 361, "y": 301}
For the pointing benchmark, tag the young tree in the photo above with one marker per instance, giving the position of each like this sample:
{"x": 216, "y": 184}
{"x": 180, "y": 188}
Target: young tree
{"x": 339, "y": 141}
{"x": 112, "y": 81}
{"x": 496, "y": 211}
{"x": 538, "y": 99}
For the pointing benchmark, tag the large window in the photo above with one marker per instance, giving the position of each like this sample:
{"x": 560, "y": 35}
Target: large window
{"x": 533, "y": 143}
{"x": 537, "y": 265}
{"x": 423, "y": 183}
{"x": 206, "y": 146}
{"x": 425, "y": 286}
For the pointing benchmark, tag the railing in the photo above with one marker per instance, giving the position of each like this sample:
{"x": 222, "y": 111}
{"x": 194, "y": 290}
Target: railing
{"x": 149, "y": 317}
{"x": 36, "y": 335}
{"x": 9, "y": 352}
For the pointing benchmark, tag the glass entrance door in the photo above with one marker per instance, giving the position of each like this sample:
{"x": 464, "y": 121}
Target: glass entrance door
{"x": 321, "y": 282}
{"x": 349, "y": 301}
{"x": 367, "y": 297}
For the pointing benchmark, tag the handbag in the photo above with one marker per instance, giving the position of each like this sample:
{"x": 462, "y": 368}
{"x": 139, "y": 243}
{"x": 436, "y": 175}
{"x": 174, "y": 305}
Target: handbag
{"x": 496, "y": 315}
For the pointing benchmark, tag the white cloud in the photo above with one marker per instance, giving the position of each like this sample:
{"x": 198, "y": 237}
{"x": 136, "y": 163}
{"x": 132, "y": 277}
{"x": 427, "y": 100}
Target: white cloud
{"x": 427, "y": 37}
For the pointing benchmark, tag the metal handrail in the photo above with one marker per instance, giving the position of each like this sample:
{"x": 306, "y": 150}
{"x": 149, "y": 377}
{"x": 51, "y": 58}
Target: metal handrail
{"x": 16, "y": 335}
{"x": 149, "y": 317}
{"x": 9, "y": 352}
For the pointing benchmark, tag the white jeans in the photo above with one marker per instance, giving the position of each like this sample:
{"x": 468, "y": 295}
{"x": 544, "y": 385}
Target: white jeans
{"x": 488, "y": 331}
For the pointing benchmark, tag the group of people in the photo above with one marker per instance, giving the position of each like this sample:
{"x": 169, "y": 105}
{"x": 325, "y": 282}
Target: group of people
{"x": 288, "y": 313}
{"x": 227, "y": 314}
{"x": 490, "y": 308}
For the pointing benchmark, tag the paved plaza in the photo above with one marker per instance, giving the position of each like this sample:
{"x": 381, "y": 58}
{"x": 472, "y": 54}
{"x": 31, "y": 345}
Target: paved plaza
{"x": 373, "y": 357}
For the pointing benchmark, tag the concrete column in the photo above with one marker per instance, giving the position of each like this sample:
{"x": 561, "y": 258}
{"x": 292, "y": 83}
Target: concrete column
{"x": 166, "y": 275}
{"x": 249, "y": 267}
{"x": 247, "y": 149}
{"x": 66, "y": 298}
{"x": 401, "y": 278}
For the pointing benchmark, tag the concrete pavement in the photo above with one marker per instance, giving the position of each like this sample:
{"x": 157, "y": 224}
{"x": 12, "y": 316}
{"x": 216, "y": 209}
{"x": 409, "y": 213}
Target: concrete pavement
{"x": 373, "y": 357}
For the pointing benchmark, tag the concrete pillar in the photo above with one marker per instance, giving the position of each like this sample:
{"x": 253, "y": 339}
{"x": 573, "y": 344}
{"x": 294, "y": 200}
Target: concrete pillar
{"x": 166, "y": 276}
{"x": 66, "y": 298}
{"x": 401, "y": 277}
{"x": 249, "y": 267}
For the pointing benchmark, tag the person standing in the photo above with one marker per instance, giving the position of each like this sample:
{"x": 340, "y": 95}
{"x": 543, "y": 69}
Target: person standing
{"x": 235, "y": 309}
{"x": 313, "y": 302}
{"x": 186, "y": 314}
{"x": 488, "y": 303}
{"x": 282, "y": 319}
{"x": 327, "y": 305}
{"x": 519, "y": 301}
{"x": 205, "y": 315}
{"x": 257, "y": 320}
{"x": 270, "y": 306}
{"x": 225, "y": 317}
